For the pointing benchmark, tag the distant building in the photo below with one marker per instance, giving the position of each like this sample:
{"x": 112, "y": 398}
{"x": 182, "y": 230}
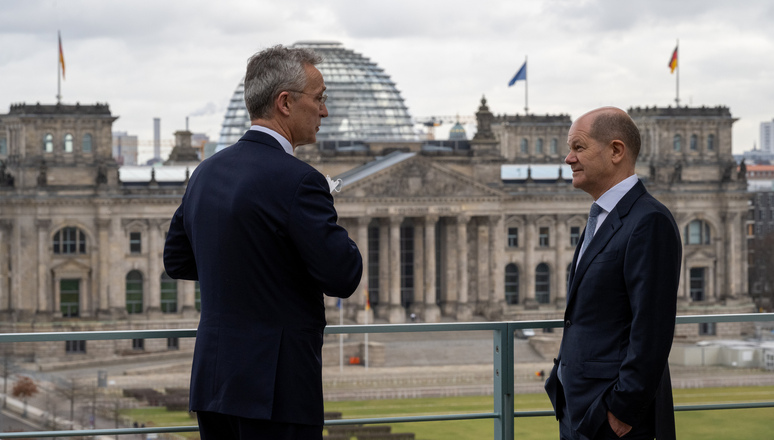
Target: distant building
{"x": 125, "y": 148}
{"x": 767, "y": 137}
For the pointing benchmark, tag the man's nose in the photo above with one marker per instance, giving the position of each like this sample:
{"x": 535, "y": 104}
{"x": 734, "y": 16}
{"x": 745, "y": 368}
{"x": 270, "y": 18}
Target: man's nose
{"x": 570, "y": 158}
{"x": 324, "y": 112}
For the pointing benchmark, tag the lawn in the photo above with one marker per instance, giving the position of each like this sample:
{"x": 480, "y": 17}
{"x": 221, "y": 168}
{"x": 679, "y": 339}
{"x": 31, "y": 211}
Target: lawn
{"x": 737, "y": 424}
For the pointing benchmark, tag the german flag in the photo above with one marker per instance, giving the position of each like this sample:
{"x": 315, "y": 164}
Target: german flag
{"x": 673, "y": 61}
{"x": 61, "y": 54}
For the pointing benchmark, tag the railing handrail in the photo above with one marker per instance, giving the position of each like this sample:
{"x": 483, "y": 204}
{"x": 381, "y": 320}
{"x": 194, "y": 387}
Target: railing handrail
{"x": 503, "y": 369}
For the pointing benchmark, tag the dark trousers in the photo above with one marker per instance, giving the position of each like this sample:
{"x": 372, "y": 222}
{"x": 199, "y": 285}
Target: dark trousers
{"x": 605, "y": 432}
{"x": 215, "y": 426}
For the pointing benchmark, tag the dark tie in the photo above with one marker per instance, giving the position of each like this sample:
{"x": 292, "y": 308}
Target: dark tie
{"x": 591, "y": 226}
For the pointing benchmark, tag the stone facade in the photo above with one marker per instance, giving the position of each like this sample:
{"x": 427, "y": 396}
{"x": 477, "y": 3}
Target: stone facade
{"x": 442, "y": 235}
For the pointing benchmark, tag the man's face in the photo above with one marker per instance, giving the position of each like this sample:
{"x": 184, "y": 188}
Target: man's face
{"x": 308, "y": 109}
{"x": 590, "y": 160}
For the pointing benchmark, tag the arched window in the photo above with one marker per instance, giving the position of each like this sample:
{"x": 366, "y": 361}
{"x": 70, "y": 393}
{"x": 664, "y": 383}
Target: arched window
{"x": 168, "y": 294}
{"x": 676, "y": 141}
{"x": 710, "y": 142}
{"x": 86, "y": 143}
{"x": 511, "y": 284}
{"x": 539, "y": 146}
{"x": 3, "y": 146}
{"x": 694, "y": 142}
{"x": 543, "y": 284}
{"x": 69, "y": 240}
{"x": 524, "y": 146}
{"x": 698, "y": 232}
{"x": 554, "y": 146}
{"x": 68, "y": 143}
{"x": 134, "y": 292}
{"x": 48, "y": 143}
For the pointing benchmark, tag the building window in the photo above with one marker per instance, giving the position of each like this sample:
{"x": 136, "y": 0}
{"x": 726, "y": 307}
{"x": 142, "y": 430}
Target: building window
{"x": 697, "y": 283}
{"x": 69, "y": 297}
{"x": 543, "y": 284}
{"x": 710, "y": 142}
{"x": 135, "y": 242}
{"x": 3, "y": 146}
{"x": 75, "y": 347}
{"x": 173, "y": 344}
{"x": 694, "y": 143}
{"x": 543, "y": 237}
{"x": 524, "y": 146}
{"x": 750, "y": 230}
{"x": 68, "y": 143}
{"x": 86, "y": 143}
{"x": 406, "y": 265}
{"x": 134, "y": 292}
{"x": 574, "y": 235}
{"x": 69, "y": 240}
{"x": 48, "y": 143}
{"x": 707, "y": 329}
{"x": 513, "y": 237}
{"x": 138, "y": 344}
{"x": 698, "y": 232}
{"x": 168, "y": 294}
{"x": 539, "y": 146}
{"x": 373, "y": 263}
{"x": 511, "y": 284}
{"x": 676, "y": 141}
{"x": 554, "y": 146}
{"x": 197, "y": 296}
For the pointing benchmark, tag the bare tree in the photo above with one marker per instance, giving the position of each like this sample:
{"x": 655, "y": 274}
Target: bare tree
{"x": 70, "y": 391}
{"x": 8, "y": 368}
{"x": 25, "y": 388}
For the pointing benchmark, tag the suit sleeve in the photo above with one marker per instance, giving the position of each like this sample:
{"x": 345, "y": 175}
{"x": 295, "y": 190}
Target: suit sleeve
{"x": 331, "y": 257}
{"x": 652, "y": 273}
{"x": 179, "y": 261}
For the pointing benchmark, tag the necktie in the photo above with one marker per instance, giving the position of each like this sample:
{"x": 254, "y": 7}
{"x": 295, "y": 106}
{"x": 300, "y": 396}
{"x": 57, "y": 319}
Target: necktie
{"x": 591, "y": 226}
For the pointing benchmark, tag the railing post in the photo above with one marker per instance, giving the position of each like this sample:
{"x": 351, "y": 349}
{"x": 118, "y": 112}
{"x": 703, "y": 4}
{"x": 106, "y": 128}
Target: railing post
{"x": 503, "y": 382}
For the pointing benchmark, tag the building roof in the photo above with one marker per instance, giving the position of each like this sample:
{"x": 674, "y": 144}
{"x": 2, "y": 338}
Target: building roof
{"x": 381, "y": 163}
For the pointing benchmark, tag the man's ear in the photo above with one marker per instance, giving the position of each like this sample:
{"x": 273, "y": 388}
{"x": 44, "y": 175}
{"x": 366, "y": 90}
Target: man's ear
{"x": 282, "y": 103}
{"x": 618, "y": 151}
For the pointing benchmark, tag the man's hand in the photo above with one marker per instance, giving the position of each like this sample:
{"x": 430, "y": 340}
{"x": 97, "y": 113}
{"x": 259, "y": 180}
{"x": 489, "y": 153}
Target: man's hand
{"x": 620, "y": 428}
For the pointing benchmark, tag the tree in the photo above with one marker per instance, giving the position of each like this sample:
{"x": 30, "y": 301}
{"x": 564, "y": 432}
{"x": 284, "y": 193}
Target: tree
{"x": 24, "y": 388}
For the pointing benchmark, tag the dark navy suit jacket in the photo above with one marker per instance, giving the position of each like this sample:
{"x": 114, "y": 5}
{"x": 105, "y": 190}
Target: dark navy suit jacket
{"x": 257, "y": 228}
{"x": 620, "y": 320}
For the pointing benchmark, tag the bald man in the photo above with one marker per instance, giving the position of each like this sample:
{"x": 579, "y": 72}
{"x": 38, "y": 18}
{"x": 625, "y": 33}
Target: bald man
{"x": 611, "y": 377}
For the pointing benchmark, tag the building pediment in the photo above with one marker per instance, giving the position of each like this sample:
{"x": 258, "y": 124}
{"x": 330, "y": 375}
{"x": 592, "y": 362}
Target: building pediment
{"x": 71, "y": 265}
{"x": 417, "y": 177}
{"x": 698, "y": 254}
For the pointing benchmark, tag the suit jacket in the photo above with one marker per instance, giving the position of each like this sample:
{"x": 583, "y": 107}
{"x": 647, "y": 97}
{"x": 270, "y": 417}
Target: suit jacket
{"x": 620, "y": 320}
{"x": 257, "y": 228}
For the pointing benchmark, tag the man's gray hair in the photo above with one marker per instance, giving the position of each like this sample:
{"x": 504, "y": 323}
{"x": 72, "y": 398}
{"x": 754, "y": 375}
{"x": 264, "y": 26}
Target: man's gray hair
{"x": 272, "y": 71}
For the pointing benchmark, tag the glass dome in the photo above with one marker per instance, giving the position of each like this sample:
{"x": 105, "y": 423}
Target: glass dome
{"x": 363, "y": 102}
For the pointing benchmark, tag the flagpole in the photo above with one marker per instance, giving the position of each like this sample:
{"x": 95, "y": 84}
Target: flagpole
{"x": 526, "y": 94}
{"x": 677, "y": 76}
{"x": 59, "y": 71}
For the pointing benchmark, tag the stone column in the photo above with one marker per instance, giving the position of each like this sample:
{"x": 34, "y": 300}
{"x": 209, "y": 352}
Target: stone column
{"x": 102, "y": 305}
{"x": 432, "y": 312}
{"x": 418, "y": 305}
{"x": 154, "y": 269}
{"x": 383, "y": 308}
{"x": 451, "y": 297}
{"x": 497, "y": 267}
{"x": 562, "y": 243}
{"x": 44, "y": 309}
{"x": 482, "y": 267}
{"x": 731, "y": 254}
{"x": 5, "y": 246}
{"x": 464, "y": 311}
{"x": 529, "y": 263}
{"x": 397, "y": 313}
{"x": 360, "y": 295}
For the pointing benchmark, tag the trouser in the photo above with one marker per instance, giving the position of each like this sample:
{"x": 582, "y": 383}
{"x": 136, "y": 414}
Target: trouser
{"x": 215, "y": 426}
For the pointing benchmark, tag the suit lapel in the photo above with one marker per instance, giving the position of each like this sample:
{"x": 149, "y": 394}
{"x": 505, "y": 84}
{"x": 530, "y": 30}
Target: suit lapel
{"x": 604, "y": 233}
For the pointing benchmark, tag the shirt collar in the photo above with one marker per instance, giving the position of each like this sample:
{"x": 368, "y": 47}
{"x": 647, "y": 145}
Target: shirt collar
{"x": 611, "y": 197}
{"x": 281, "y": 139}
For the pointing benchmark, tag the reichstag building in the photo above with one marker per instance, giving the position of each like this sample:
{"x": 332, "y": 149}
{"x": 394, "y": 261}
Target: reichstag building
{"x": 456, "y": 230}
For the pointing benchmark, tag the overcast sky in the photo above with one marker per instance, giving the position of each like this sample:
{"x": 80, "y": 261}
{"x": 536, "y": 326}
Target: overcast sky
{"x": 174, "y": 58}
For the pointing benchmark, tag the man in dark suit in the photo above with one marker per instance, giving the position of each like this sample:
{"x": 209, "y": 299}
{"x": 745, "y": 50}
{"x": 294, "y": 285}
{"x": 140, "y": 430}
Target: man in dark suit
{"x": 257, "y": 228}
{"x": 611, "y": 377}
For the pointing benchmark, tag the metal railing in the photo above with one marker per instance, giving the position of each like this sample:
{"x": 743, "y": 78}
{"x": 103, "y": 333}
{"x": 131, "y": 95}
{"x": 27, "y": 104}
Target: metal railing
{"x": 503, "y": 370}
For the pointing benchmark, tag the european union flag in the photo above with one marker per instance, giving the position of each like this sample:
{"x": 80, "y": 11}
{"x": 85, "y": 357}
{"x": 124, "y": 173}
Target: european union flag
{"x": 521, "y": 74}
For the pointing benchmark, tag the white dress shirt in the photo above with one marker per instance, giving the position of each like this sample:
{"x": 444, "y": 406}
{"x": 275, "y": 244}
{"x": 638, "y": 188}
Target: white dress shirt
{"x": 281, "y": 139}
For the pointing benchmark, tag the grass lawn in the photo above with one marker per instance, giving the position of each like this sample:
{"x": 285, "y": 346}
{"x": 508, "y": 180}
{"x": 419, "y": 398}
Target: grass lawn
{"x": 738, "y": 424}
